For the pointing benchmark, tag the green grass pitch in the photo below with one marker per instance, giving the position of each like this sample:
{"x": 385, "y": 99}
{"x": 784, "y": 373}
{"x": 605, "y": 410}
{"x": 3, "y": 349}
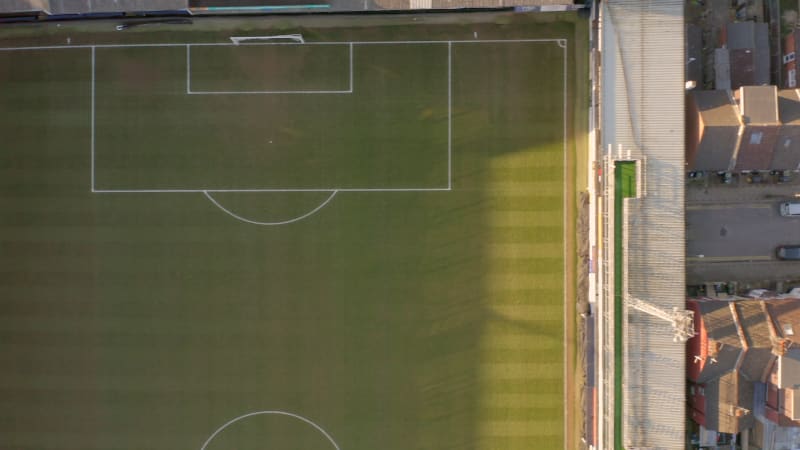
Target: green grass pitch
{"x": 421, "y": 308}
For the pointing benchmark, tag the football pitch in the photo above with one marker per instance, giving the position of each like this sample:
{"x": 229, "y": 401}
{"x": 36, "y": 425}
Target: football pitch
{"x": 354, "y": 241}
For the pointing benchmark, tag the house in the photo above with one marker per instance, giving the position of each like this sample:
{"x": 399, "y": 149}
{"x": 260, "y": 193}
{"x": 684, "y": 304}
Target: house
{"x": 724, "y": 404}
{"x": 755, "y": 128}
{"x": 749, "y": 53}
{"x": 732, "y": 350}
{"x": 758, "y": 106}
{"x": 786, "y": 155}
{"x": 712, "y": 130}
{"x": 743, "y": 368}
{"x": 788, "y": 59}
{"x": 783, "y": 389}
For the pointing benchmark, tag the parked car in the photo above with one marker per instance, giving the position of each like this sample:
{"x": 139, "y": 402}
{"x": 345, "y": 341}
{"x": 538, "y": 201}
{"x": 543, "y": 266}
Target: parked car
{"x": 754, "y": 178}
{"x": 790, "y": 209}
{"x": 782, "y": 176}
{"x": 788, "y": 252}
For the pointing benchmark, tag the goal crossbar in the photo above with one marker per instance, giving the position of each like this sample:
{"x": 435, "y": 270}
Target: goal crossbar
{"x": 279, "y": 37}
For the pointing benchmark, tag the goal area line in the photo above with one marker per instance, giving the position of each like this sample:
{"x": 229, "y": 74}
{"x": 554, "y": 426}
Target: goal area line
{"x": 190, "y": 91}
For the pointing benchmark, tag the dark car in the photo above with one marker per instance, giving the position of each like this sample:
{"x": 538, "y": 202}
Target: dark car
{"x": 788, "y": 252}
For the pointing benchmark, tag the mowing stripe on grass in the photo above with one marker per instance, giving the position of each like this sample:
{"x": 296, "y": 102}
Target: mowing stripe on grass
{"x": 524, "y": 250}
{"x": 521, "y": 371}
{"x": 523, "y": 219}
{"x": 517, "y": 400}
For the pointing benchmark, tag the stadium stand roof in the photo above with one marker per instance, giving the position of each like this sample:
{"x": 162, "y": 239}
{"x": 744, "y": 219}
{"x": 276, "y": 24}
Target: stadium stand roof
{"x": 643, "y": 112}
{"x": 63, "y": 7}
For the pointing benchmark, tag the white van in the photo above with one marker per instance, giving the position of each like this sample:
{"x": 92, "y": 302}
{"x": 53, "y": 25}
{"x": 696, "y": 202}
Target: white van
{"x": 790, "y": 209}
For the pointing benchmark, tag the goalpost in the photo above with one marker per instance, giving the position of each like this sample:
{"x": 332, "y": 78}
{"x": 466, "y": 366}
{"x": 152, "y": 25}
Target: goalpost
{"x": 281, "y": 37}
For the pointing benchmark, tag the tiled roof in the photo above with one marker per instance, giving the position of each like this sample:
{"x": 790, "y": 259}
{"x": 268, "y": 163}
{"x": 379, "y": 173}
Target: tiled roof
{"x": 724, "y": 344}
{"x": 720, "y": 130}
{"x": 756, "y": 147}
{"x": 729, "y": 404}
{"x": 756, "y": 331}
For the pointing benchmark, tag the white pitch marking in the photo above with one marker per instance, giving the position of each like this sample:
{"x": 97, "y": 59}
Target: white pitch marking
{"x": 92, "y": 129}
{"x": 184, "y": 191}
{"x": 228, "y": 44}
{"x": 276, "y": 412}
{"x": 449, "y": 115}
{"x": 188, "y": 69}
{"x": 563, "y": 44}
{"x": 285, "y": 222}
{"x": 351, "y": 67}
{"x": 265, "y": 92}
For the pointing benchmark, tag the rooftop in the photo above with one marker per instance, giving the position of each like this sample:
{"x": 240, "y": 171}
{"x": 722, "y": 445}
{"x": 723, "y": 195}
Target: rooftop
{"x": 729, "y": 404}
{"x": 759, "y": 105}
{"x": 720, "y": 134}
{"x": 747, "y": 35}
{"x": 787, "y": 149}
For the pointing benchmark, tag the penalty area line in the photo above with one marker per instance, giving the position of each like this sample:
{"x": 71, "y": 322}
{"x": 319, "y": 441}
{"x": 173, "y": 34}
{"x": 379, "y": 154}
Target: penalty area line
{"x": 183, "y": 191}
{"x": 92, "y": 113}
{"x": 277, "y": 412}
{"x": 254, "y": 222}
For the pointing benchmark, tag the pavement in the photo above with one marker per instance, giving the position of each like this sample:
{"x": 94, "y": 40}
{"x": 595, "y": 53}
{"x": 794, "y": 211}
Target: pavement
{"x": 711, "y": 190}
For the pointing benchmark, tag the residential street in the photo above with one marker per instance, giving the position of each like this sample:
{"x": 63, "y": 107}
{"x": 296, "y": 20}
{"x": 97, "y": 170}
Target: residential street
{"x": 732, "y": 232}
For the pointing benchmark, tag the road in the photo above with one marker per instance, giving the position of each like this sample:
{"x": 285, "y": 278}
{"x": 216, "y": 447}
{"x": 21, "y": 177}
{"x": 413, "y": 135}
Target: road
{"x": 736, "y": 241}
{"x": 738, "y": 232}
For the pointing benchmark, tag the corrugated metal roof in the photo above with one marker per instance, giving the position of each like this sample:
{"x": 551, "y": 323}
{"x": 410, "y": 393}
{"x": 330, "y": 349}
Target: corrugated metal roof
{"x": 643, "y": 112}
